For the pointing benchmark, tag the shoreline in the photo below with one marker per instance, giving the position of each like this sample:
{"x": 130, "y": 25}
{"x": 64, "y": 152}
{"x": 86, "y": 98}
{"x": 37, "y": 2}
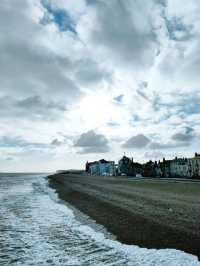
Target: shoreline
{"x": 128, "y": 225}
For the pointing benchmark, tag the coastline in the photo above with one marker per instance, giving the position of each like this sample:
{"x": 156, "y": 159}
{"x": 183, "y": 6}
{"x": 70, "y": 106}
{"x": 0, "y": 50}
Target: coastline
{"x": 129, "y": 223}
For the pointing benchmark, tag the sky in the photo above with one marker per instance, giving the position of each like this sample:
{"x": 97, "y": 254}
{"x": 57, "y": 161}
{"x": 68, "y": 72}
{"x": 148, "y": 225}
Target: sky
{"x": 90, "y": 79}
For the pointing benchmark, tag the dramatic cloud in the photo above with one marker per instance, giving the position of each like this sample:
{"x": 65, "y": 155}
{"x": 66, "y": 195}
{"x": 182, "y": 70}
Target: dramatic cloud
{"x": 31, "y": 73}
{"x": 31, "y": 108}
{"x": 123, "y": 68}
{"x": 186, "y": 136}
{"x": 129, "y": 36}
{"x": 10, "y": 142}
{"x": 91, "y": 142}
{"x": 139, "y": 141}
{"x": 182, "y": 25}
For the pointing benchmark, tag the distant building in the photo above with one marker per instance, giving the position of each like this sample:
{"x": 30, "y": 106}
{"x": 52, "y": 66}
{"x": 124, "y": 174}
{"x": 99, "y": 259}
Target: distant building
{"x": 152, "y": 169}
{"x": 179, "y": 167}
{"x": 194, "y": 166}
{"x": 125, "y": 166}
{"x": 165, "y": 168}
{"x": 157, "y": 169}
{"x": 128, "y": 167}
{"x": 138, "y": 168}
{"x": 101, "y": 167}
{"x": 94, "y": 168}
{"x": 149, "y": 170}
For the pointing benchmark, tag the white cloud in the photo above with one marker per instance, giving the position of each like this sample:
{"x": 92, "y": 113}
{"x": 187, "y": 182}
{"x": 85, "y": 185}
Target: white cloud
{"x": 124, "y": 68}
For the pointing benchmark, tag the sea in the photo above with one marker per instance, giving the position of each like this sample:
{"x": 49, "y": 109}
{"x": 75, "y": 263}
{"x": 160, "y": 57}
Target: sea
{"x": 37, "y": 228}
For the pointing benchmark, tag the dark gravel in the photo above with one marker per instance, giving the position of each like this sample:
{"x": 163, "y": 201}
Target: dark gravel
{"x": 147, "y": 213}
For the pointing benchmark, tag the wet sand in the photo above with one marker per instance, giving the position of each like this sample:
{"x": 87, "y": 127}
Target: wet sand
{"x": 147, "y": 213}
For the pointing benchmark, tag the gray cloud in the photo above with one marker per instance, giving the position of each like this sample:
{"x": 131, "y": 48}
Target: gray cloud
{"x": 89, "y": 72}
{"x": 129, "y": 35}
{"x": 33, "y": 107}
{"x": 189, "y": 104}
{"x": 18, "y": 142}
{"x": 91, "y": 142}
{"x": 30, "y": 72}
{"x": 56, "y": 142}
{"x": 91, "y": 2}
{"x": 139, "y": 141}
{"x": 51, "y": 57}
{"x": 180, "y": 139}
{"x": 187, "y": 135}
{"x": 182, "y": 27}
{"x": 168, "y": 145}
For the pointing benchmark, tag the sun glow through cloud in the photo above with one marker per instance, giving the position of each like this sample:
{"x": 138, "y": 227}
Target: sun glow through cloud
{"x": 98, "y": 109}
{"x": 68, "y": 68}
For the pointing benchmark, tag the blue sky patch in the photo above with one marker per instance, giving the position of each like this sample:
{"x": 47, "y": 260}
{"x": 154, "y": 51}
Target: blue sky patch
{"x": 119, "y": 98}
{"x": 175, "y": 26}
{"x": 59, "y": 16}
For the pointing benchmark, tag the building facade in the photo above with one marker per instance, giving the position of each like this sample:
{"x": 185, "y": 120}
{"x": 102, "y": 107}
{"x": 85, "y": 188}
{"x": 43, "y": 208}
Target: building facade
{"x": 179, "y": 167}
{"x": 194, "y": 166}
{"x": 127, "y": 167}
{"x": 101, "y": 167}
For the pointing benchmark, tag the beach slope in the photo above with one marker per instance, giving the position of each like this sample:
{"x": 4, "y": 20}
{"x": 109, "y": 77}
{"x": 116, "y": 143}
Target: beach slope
{"x": 148, "y": 213}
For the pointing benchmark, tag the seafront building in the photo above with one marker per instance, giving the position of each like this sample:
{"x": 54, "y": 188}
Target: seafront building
{"x": 182, "y": 167}
{"x": 152, "y": 169}
{"x": 177, "y": 167}
{"x": 194, "y": 166}
{"x": 128, "y": 167}
{"x": 101, "y": 167}
{"x": 125, "y": 166}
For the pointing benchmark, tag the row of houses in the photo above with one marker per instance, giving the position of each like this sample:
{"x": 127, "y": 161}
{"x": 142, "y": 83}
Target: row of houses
{"x": 181, "y": 167}
{"x": 178, "y": 167}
